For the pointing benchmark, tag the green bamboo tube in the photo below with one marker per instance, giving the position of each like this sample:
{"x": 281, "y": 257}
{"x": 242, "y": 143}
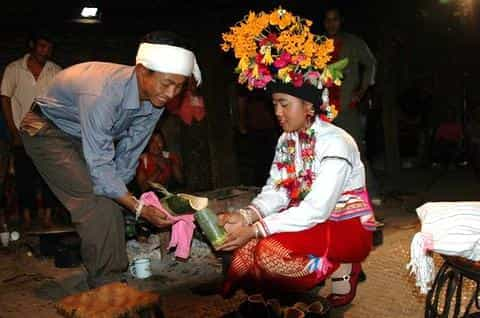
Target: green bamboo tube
{"x": 208, "y": 222}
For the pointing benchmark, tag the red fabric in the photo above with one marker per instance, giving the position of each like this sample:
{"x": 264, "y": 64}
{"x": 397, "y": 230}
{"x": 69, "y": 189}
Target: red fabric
{"x": 150, "y": 166}
{"x": 280, "y": 260}
{"x": 449, "y": 131}
{"x": 188, "y": 107}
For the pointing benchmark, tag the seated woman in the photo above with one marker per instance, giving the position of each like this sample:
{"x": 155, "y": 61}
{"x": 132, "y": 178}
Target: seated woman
{"x": 312, "y": 220}
{"x": 158, "y": 165}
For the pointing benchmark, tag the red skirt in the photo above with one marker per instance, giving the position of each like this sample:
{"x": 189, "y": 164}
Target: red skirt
{"x": 297, "y": 261}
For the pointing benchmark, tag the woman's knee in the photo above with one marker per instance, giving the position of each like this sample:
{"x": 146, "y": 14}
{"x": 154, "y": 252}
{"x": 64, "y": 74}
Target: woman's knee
{"x": 270, "y": 254}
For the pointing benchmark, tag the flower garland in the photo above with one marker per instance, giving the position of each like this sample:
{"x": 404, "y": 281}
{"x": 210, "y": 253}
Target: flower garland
{"x": 279, "y": 46}
{"x": 297, "y": 180}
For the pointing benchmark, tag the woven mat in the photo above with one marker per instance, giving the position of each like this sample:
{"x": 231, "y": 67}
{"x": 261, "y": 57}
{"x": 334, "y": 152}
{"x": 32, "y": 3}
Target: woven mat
{"x": 108, "y": 301}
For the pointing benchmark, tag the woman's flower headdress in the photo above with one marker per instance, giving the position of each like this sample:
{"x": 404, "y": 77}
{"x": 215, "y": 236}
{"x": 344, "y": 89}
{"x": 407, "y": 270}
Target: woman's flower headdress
{"x": 278, "y": 47}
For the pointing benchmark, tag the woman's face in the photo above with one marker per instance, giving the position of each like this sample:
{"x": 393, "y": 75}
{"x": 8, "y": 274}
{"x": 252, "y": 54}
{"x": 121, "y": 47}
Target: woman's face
{"x": 292, "y": 112}
{"x": 155, "y": 146}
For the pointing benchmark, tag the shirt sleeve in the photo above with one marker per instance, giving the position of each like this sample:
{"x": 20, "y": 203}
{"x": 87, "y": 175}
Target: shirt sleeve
{"x": 316, "y": 207}
{"x": 368, "y": 61}
{"x": 96, "y": 121}
{"x": 8, "y": 82}
{"x": 130, "y": 147}
{"x": 272, "y": 199}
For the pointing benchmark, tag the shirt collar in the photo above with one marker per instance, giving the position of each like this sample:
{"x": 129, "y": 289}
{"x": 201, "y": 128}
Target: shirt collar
{"x": 24, "y": 61}
{"x": 47, "y": 65}
{"x": 131, "y": 98}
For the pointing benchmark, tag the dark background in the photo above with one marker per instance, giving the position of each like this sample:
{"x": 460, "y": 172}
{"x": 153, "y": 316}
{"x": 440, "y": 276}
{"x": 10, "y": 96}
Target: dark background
{"x": 430, "y": 42}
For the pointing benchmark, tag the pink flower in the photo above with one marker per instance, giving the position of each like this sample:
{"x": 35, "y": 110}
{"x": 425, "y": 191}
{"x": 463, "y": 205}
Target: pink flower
{"x": 283, "y": 60}
{"x": 262, "y": 82}
{"x": 258, "y": 58}
{"x": 298, "y": 58}
{"x": 297, "y": 79}
{"x": 313, "y": 75}
{"x": 263, "y": 69}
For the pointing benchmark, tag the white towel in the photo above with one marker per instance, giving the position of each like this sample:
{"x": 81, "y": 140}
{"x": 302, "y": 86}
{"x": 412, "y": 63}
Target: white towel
{"x": 449, "y": 228}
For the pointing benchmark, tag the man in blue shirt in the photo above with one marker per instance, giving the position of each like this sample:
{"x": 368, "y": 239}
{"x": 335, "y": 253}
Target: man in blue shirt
{"x": 87, "y": 132}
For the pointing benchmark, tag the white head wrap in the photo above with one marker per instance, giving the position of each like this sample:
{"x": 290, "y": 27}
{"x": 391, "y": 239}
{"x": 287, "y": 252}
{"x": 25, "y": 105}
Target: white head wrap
{"x": 169, "y": 59}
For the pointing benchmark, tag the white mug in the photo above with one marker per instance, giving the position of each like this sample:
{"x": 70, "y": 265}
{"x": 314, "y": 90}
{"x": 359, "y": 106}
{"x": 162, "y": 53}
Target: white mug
{"x": 5, "y": 238}
{"x": 141, "y": 268}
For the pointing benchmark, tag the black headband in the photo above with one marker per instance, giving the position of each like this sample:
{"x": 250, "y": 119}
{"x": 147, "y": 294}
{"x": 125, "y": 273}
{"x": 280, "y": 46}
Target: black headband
{"x": 306, "y": 92}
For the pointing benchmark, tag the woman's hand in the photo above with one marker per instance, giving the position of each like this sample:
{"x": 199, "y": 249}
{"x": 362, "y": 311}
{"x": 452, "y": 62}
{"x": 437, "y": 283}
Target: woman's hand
{"x": 237, "y": 238}
{"x": 231, "y": 221}
{"x": 155, "y": 217}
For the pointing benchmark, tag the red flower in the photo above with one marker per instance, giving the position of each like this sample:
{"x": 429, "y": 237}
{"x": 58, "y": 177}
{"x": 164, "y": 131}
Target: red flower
{"x": 288, "y": 183}
{"x": 325, "y": 118}
{"x": 291, "y": 169}
{"x": 283, "y": 60}
{"x": 297, "y": 79}
{"x": 270, "y": 39}
{"x": 295, "y": 194}
{"x": 258, "y": 58}
{"x": 306, "y": 153}
{"x": 329, "y": 83}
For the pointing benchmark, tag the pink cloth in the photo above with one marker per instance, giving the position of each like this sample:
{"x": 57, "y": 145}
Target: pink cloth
{"x": 182, "y": 228}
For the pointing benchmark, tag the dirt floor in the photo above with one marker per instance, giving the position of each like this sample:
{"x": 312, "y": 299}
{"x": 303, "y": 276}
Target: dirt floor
{"x": 387, "y": 292}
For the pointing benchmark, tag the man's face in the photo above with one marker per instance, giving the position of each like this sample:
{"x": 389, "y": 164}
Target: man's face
{"x": 42, "y": 50}
{"x": 332, "y": 22}
{"x": 159, "y": 88}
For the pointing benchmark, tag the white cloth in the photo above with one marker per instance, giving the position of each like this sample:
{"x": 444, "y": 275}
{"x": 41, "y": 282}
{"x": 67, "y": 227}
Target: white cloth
{"x": 449, "y": 228}
{"x": 20, "y": 85}
{"x": 337, "y": 168}
{"x": 169, "y": 59}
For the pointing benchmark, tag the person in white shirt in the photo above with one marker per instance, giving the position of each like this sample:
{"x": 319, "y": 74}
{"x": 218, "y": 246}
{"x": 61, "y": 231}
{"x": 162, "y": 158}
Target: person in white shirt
{"x": 313, "y": 219}
{"x": 23, "y": 80}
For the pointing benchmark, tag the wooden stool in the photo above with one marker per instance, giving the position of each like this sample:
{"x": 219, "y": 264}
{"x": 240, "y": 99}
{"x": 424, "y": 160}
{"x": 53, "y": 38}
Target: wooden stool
{"x": 449, "y": 280}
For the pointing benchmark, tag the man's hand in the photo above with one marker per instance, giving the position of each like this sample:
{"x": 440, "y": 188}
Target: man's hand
{"x": 155, "y": 217}
{"x": 31, "y": 124}
{"x": 237, "y": 238}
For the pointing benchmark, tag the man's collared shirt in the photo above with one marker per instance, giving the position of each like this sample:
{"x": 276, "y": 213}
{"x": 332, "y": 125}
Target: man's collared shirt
{"x": 20, "y": 85}
{"x": 100, "y": 104}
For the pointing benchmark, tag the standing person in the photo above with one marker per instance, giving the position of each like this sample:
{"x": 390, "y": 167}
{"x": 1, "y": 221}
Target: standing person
{"x": 23, "y": 80}
{"x": 258, "y": 128}
{"x": 359, "y": 75}
{"x": 312, "y": 220}
{"x": 4, "y": 160}
{"x": 86, "y": 135}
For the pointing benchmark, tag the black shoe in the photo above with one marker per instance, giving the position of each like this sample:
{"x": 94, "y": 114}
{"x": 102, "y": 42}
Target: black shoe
{"x": 362, "y": 277}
